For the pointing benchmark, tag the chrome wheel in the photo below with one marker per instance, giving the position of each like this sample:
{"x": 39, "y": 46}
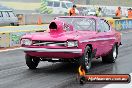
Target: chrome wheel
{"x": 85, "y": 61}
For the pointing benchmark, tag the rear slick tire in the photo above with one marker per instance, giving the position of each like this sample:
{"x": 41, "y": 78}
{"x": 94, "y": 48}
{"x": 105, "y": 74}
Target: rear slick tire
{"x": 112, "y": 56}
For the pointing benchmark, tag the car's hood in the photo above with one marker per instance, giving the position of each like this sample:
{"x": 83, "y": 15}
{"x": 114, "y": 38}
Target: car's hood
{"x": 64, "y": 36}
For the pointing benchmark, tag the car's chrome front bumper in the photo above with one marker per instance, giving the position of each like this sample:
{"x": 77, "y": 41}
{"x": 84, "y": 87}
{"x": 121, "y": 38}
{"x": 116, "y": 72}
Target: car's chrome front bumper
{"x": 51, "y": 50}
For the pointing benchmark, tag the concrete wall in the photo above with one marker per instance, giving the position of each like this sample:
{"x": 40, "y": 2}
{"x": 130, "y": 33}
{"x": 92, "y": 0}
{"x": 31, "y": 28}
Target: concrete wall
{"x": 12, "y": 38}
{"x": 34, "y": 18}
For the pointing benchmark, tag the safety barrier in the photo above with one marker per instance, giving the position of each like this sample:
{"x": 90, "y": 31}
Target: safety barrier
{"x": 29, "y": 19}
{"x": 12, "y": 38}
{"x": 121, "y": 24}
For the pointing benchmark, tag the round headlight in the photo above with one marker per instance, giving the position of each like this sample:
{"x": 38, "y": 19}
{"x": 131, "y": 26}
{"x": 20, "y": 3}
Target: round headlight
{"x": 26, "y": 42}
{"x": 72, "y": 43}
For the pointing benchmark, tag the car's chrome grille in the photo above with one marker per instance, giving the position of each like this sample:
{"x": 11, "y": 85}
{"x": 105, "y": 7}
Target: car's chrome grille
{"x": 49, "y": 43}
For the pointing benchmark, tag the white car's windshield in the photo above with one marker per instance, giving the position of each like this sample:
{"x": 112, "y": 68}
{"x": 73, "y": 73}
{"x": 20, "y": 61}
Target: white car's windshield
{"x": 69, "y": 5}
{"x": 80, "y": 23}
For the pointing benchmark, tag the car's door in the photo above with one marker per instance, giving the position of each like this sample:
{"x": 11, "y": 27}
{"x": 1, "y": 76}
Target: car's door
{"x": 105, "y": 37}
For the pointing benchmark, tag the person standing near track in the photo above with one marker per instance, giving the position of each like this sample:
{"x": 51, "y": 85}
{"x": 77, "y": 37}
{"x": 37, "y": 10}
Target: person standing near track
{"x": 72, "y": 11}
{"x": 99, "y": 12}
{"x": 129, "y": 13}
{"x": 118, "y": 12}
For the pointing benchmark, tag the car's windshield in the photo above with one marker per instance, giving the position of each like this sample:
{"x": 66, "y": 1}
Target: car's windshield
{"x": 69, "y": 5}
{"x": 87, "y": 24}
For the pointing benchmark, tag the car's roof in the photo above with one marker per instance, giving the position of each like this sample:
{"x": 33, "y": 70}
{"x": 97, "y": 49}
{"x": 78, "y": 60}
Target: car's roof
{"x": 95, "y": 17}
{"x": 6, "y": 10}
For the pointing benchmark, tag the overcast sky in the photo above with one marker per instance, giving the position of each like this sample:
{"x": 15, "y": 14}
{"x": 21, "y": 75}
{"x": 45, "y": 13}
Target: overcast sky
{"x": 21, "y": 0}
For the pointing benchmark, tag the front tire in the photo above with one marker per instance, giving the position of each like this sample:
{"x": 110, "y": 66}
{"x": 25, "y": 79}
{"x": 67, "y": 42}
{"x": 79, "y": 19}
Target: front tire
{"x": 86, "y": 59}
{"x": 32, "y": 62}
{"x": 112, "y": 56}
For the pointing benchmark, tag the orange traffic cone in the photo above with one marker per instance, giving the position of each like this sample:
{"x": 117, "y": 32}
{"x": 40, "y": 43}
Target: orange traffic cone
{"x": 39, "y": 20}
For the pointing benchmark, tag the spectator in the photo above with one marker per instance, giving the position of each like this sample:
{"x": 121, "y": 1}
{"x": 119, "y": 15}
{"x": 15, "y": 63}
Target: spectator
{"x": 99, "y": 12}
{"x": 129, "y": 13}
{"x": 72, "y": 11}
{"x": 118, "y": 12}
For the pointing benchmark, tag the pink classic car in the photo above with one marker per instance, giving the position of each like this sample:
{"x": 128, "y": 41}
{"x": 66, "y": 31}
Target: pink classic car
{"x": 72, "y": 39}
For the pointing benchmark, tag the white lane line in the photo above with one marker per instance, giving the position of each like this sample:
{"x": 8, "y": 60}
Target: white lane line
{"x": 129, "y": 85}
{"x": 9, "y": 49}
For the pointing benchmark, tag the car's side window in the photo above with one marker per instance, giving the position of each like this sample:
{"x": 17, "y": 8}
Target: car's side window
{"x": 56, "y": 4}
{"x": 11, "y": 14}
{"x": 63, "y": 5}
{"x": 102, "y": 26}
{"x": 50, "y": 3}
{"x": 106, "y": 26}
{"x": 5, "y": 14}
{"x": 99, "y": 26}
